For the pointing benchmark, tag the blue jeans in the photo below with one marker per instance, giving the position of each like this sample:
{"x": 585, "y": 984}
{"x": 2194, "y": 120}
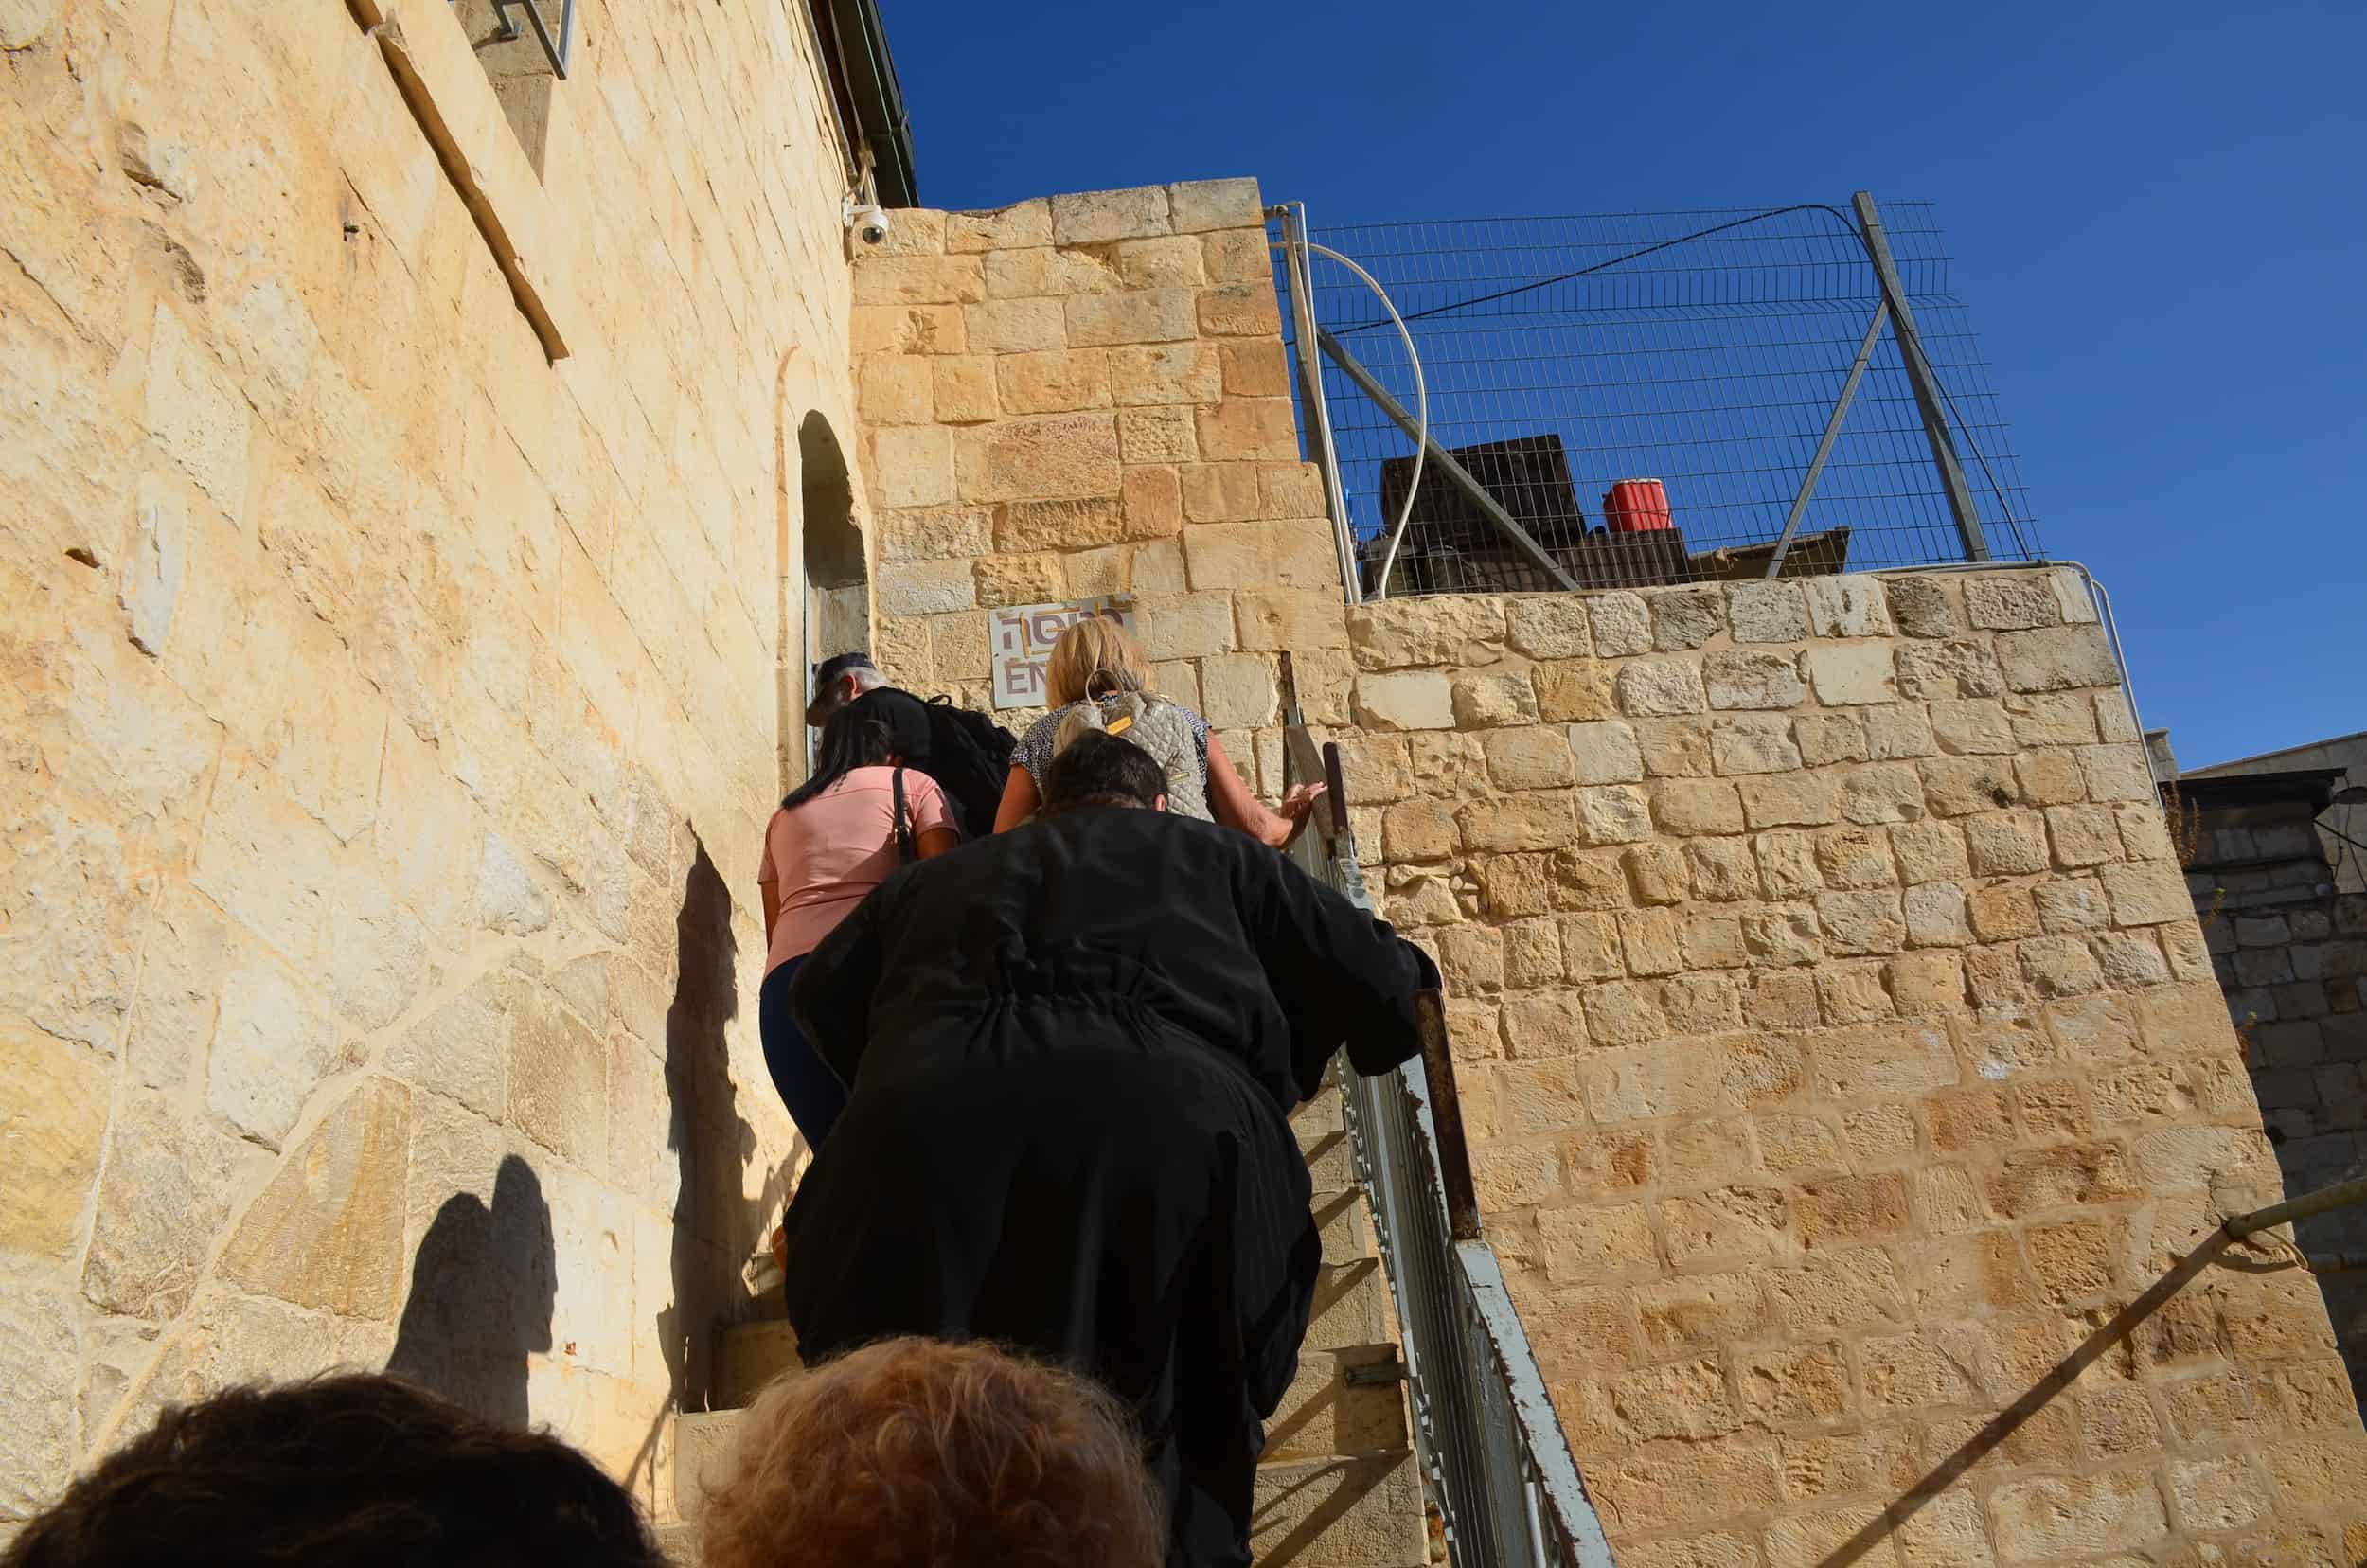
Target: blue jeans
{"x": 812, "y": 1093}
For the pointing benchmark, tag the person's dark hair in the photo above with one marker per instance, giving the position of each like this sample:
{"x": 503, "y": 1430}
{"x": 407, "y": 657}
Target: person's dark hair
{"x": 1097, "y": 769}
{"x": 365, "y": 1471}
{"x": 855, "y": 737}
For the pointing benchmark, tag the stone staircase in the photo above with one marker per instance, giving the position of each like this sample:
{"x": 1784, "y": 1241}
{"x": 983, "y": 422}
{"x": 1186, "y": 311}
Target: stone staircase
{"x": 1338, "y": 1487}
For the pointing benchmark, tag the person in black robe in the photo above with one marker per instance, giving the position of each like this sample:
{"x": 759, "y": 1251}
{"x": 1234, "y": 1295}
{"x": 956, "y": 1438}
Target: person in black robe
{"x": 1072, "y": 1049}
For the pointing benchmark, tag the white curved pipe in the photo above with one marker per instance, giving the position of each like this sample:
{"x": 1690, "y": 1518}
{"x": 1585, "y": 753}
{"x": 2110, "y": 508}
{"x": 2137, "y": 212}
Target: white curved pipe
{"x": 1421, "y": 413}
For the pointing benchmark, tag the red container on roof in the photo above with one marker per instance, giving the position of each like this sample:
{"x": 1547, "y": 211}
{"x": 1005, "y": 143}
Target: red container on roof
{"x": 1636, "y": 506}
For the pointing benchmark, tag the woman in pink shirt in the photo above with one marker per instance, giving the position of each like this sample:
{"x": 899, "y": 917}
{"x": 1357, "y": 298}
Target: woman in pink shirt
{"x": 831, "y": 844}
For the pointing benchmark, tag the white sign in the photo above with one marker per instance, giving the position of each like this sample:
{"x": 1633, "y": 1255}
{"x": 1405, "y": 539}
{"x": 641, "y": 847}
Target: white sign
{"x": 1021, "y": 636}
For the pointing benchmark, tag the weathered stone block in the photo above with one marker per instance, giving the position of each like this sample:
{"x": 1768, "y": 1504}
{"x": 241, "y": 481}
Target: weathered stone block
{"x": 912, "y": 466}
{"x": 2148, "y": 893}
{"x": 1238, "y": 690}
{"x": 1199, "y": 205}
{"x": 1674, "y": 748}
{"x": 909, "y": 329}
{"x": 2007, "y": 843}
{"x": 1551, "y": 627}
{"x": 1156, "y": 435}
{"x": 1053, "y": 381}
{"x": 1929, "y": 851}
{"x": 1530, "y": 759}
{"x": 1942, "y": 670}
{"x": 2015, "y": 603}
{"x": 1446, "y": 630}
{"x": 1936, "y": 917}
{"x": 920, "y": 280}
{"x": 2053, "y": 1516}
{"x": 1621, "y": 624}
{"x": 53, "y": 1120}
{"x": 2056, "y": 659}
{"x": 1577, "y": 689}
{"x": 1020, "y": 326}
{"x": 1135, "y": 315}
{"x": 1851, "y": 673}
{"x": 1767, "y": 611}
{"x": 1753, "y": 746}
{"x": 2116, "y": 772}
{"x": 1786, "y": 864}
{"x": 1959, "y": 786}
{"x": 1783, "y": 800}
{"x": 1647, "y": 688}
{"x": 1239, "y": 310}
{"x": 1605, "y": 753}
{"x": 1689, "y": 807}
{"x": 1539, "y": 820}
{"x": 1482, "y": 700}
{"x": 1921, "y": 607}
{"x": 1736, "y": 679}
{"x": 328, "y": 1231}
{"x": 1657, "y": 873}
{"x": 1166, "y": 261}
{"x": 274, "y": 1042}
{"x": 1686, "y": 617}
{"x": 927, "y": 587}
{"x": 1406, "y": 700}
{"x": 1419, "y": 830}
{"x": 1723, "y": 870}
{"x": 1058, "y": 457}
{"x": 1094, "y": 217}
{"x": 1542, "y": 1027}
{"x": 1612, "y": 813}
{"x": 1861, "y": 923}
{"x": 1850, "y": 606}
{"x": 1020, "y": 225}
{"x": 1193, "y": 627}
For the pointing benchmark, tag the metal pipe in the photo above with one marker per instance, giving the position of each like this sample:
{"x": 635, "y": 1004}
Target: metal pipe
{"x": 1326, "y": 454}
{"x": 1461, "y": 476}
{"x": 1920, "y": 378}
{"x": 2323, "y": 1201}
{"x": 556, "y": 52}
{"x": 1832, "y": 432}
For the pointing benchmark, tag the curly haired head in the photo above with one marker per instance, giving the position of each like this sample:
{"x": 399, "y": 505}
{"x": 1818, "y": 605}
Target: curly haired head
{"x": 914, "y": 1454}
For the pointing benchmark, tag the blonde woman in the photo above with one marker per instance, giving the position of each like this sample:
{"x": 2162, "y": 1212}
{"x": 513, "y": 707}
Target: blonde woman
{"x": 1097, "y": 680}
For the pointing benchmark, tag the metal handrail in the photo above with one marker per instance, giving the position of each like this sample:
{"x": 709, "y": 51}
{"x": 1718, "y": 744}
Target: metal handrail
{"x": 1492, "y": 1452}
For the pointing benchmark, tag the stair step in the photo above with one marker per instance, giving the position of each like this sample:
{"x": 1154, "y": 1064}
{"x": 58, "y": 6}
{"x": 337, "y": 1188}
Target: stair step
{"x": 702, "y": 1451}
{"x": 1324, "y": 1415}
{"x": 1339, "y": 1513}
{"x": 1351, "y": 1307}
{"x": 749, "y": 1355}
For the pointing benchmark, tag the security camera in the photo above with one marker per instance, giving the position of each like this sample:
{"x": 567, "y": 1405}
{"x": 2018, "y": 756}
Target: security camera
{"x": 868, "y": 222}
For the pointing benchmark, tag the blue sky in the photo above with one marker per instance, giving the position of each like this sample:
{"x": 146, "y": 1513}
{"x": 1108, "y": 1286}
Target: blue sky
{"x": 2157, "y": 215}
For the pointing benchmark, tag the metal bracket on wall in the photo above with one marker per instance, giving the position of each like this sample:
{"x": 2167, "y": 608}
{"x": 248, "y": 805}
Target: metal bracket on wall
{"x": 553, "y": 50}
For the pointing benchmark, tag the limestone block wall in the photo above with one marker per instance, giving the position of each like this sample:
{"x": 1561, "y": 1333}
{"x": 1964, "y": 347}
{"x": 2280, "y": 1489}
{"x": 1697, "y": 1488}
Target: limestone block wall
{"x": 1088, "y": 395}
{"x": 1841, "y": 1055}
{"x": 388, "y": 707}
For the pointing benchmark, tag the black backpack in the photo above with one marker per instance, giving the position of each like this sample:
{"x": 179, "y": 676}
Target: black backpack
{"x": 970, "y": 757}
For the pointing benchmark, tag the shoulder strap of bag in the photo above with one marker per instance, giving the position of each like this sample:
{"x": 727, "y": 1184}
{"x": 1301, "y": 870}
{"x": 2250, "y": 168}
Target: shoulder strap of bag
{"x": 907, "y": 850}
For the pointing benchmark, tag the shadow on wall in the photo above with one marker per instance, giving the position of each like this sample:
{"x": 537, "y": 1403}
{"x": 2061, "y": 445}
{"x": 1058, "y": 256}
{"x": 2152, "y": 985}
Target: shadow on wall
{"x": 482, "y": 1290}
{"x": 715, "y": 1226}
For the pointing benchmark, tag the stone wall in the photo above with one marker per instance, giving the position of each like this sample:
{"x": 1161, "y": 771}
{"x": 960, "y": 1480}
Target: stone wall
{"x": 388, "y": 707}
{"x": 1088, "y": 395}
{"x": 2290, "y": 952}
{"x": 1841, "y": 1055}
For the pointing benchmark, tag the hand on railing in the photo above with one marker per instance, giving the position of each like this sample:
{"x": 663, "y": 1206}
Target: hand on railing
{"x": 1298, "y": 810}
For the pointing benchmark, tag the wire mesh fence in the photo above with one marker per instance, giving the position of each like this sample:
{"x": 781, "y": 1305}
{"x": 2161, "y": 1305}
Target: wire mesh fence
{"x": 1644, "y": 396}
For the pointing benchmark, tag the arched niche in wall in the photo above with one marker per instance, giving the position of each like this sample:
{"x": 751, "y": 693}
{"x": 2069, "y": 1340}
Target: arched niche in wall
{"x": 838, "y": 613}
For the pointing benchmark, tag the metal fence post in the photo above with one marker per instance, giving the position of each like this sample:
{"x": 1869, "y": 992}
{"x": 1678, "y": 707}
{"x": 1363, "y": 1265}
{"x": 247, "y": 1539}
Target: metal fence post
{"x": 1311, "y": 391}
{"x": 1919, "y": 376}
